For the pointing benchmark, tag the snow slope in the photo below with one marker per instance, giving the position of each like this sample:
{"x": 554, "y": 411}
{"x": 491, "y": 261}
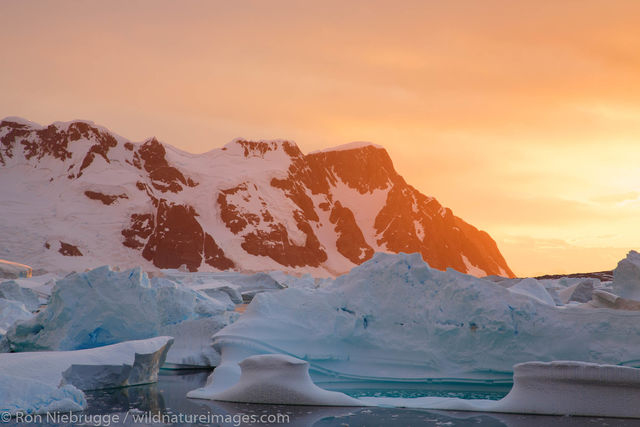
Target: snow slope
{"x": 76, "y": 196}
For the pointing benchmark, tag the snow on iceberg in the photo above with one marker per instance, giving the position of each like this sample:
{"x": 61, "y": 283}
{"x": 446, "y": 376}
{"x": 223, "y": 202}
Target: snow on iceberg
{"x": 395, "y": 318}
{"x": 102, "y": 307}
{"x": 118, "y": 365}
{"x": 554, "y": 388}
{"x": 30, "y": 396}
{"x": 276, "y": 379}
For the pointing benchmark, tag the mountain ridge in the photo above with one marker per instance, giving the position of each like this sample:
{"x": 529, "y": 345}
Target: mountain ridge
{"x": 249, "y": 205}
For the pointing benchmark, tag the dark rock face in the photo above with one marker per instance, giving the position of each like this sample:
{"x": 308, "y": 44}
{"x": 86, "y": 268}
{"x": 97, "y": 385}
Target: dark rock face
{"x": 351, "y": 242}
{"x": 106, "y": 199}
{"x": 140, "y": 228}
{"x": 104, "y": 142}
{"x": 68, "y": 249}
{"x": 174, "y": 238}
{"x": 152, "y": 157}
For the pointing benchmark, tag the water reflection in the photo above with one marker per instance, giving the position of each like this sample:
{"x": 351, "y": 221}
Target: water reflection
{"x": 168, "y": 397}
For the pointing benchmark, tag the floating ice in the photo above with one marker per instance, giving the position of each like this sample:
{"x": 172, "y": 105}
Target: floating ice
{"x": 394, "y": 318}
{"x": 555, "y": 388}
{"x": 30, "y": 396}
{"x": 118, "y": 365}
{"x": 276, "y": 379}
{"x": 103, "y": 307}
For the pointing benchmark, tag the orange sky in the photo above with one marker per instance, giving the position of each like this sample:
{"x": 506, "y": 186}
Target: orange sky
{"x": 523, "y": 117}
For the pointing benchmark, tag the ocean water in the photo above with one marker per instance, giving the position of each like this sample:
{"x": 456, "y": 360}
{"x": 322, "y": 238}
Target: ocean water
{"x": 165, "y": 403}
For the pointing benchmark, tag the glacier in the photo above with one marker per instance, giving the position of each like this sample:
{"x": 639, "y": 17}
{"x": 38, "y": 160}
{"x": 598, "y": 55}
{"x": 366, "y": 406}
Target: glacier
{"x": 103, "y": 306}
{"x": 394, "y": 318}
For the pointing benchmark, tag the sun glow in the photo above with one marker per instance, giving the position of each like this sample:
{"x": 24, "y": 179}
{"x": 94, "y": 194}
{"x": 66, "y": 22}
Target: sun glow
{"x": 524, "y": 117}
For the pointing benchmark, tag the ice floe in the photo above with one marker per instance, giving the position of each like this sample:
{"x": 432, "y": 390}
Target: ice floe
{"x": 276, "y": 379}
{"x": 118, "y": 365}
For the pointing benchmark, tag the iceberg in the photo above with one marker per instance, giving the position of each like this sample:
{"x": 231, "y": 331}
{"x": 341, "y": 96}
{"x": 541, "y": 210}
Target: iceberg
{"x": 30, "y": 396}
{"x": 240, "y": 286}
{"x": 277, "y": 379}
{"x": 532, "y": 288}
{"x": 11, "y": 290}
{"x": 626, "y": 277}
{"x": 394, "y": 318}
{"x": 118, "y": 365}
{"x": 11, "y": 312}
{"x": 554, "y": 388}
{"x": 103, "y": 307}
{"x": 580, "y": 292}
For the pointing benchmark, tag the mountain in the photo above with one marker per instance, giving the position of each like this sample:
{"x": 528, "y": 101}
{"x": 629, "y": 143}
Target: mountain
{"x": 75, "y": 195}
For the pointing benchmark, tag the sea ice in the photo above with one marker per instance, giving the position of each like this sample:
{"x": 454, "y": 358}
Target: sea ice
{"x": 276, "y": 379}
{"x": 102, "y": 307}
{"x": 395, "y": 318}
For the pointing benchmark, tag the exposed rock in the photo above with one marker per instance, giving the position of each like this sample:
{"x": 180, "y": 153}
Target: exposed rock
{"x": 106, "y": 199}
{"x": 67, "y": 249}
{"x": 350, "y": 242}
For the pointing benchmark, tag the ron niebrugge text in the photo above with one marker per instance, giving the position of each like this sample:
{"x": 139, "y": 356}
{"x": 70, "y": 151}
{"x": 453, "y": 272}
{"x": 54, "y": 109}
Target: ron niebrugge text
{"x": 139, "y": 417}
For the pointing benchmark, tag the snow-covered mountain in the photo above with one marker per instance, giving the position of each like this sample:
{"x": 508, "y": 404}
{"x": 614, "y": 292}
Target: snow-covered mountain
{"x": 74, "y": 195}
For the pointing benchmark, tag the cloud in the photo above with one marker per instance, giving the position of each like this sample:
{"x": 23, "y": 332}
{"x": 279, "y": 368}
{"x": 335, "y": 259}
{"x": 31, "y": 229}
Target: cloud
{"x": 617, "y": 198}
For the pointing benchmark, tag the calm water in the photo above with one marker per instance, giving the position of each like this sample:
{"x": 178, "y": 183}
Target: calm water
{"x": 167, "y": 399}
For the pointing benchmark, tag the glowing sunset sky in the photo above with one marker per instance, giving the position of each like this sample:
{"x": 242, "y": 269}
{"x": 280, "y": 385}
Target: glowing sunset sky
{"x": 523, "y": 117}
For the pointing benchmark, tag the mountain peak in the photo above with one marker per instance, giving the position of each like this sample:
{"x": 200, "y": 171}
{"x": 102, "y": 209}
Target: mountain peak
{"x": 261, "y": 148}
{"x": 20, "y": 121}
{"x": 356, "y": 145}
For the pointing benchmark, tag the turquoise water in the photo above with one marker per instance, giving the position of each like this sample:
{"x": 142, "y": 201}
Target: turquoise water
{"x": 404, "y": 390}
